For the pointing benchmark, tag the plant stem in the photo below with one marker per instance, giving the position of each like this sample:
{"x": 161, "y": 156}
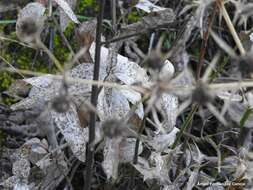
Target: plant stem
{"x": 231, "y": 27}
{"x": 185, "y": 125}
{"x": 94, "y": 97}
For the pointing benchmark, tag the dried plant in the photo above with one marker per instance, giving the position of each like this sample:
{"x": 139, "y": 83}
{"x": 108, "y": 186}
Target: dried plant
{"x": 122, "y": 113}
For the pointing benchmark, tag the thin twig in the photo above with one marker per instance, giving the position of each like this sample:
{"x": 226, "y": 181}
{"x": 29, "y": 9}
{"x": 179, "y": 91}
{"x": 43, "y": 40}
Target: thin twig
{"x": 71, "y": 80}
{"x": 51, "y": 56}
{"x": 94, "y": 97}
{"x": 205, "y": 40}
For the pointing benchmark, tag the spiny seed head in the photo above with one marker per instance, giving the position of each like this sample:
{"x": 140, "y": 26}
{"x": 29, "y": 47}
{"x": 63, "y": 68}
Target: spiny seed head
{"x": 61, "y": 104}
{"x": 30, "y": 22}
{"x": 154, "y": 61}
{"x": 129, "y": 3}
{"x": 246, "y": 66}
{"x": 28, "y": 26}
{"x": 201, "y": 94}
{"x": 112, "y": 128}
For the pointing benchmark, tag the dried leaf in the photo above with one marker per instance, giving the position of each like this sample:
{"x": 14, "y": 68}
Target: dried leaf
{"x": 64, "y": 19}
{"x": 69, "y": 125}
{"x": 38, "y": 149}
{"x": 225, "y": 95}
{"x": 116, "y": 151}
{"x": 111, "y": 157}
{"x": 125, "y": 70}
{"x": 168, "y": 105}
{"x": 161, "y": 142}
{"x": 112, "y": 104}
{"x": 21, "y": 186}
{"x": 148, "y": 7}
{"x": 21, "y": 169}
{"x": 67, "y": 9}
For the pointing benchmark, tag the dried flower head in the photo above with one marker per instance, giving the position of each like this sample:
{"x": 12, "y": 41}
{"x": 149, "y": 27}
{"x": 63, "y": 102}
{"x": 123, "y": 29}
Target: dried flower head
{"x": 30, "y": 22}
{"x": 154, "y": 60}
{"x": 201, "y": 94}
{"x": 61, "y": 104}
{"x": 113, "y": 128}
{"x": 245, "y": 66}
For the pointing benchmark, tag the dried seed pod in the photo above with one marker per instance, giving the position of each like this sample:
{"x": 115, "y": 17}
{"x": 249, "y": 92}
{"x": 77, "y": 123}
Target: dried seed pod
{"x": 30, "y": 23}
{"x": 201, "y": 94}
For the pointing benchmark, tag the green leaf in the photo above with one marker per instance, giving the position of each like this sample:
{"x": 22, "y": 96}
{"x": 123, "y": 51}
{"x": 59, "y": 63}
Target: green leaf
{"x": 7, "y": 21}
{"x": 245, "y": 117}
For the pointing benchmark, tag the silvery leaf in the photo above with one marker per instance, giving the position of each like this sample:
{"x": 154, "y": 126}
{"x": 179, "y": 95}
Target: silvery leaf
{"x": 112, "y": 104}
{"x": 116, "y": 151}
{"x": 159, "y": 171}
{"x": 55, "y": 170}
{"x": 125, "y": 70}
{"x": 21, "y": 186}
{"x": 134, "y": 98}
{"x": 38, "y": 149}
{"x": 168, "y": 105}
{"x": 39, "y": 83}
{"x": 163, "y": 141}
{"x": 148, "y": 7}
{"x": 69, "y": 125}
{"x": 67, "y": 9}
{"x": 111, "y": 157}
{"x": 10, "y": 182}
{"x": 64, "y": 19}
{"x": 21, "y": 169}
{"x": 167, "y": 71}
{"x": 225, "y": 95}
{"x": 127, "y": 148}
{"x": 192, "y": 179}
{"x": 49, "y": 88}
